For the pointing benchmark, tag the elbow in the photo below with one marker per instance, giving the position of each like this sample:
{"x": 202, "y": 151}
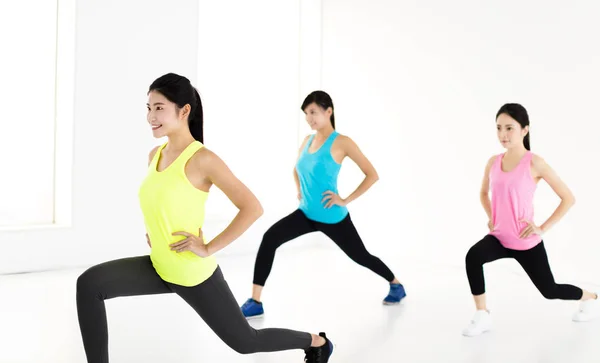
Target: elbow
{"x": 257, "y": 210}
{"x": 373, "y": 176}
{"x": 251, "y": 210}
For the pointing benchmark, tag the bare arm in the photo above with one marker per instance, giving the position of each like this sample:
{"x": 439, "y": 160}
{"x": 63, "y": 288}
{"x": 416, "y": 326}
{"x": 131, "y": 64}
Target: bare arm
{"x": 484, "y": 194}
{"x": 353, "y": 152}
{"x": 545, "y": 172}
{"x": 248, "y": 205}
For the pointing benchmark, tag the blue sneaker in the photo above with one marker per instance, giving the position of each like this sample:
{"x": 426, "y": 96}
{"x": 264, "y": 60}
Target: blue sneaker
{"x": 396, "y": 294}
{"x": 252, "y": 309}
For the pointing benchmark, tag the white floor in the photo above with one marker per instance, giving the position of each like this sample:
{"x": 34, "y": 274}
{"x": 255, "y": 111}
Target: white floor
{"x": 325, "y": 291}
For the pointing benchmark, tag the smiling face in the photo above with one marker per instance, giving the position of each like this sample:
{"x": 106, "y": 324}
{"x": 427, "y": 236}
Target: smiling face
{"x": 316, "y": 117}
{"x": 164, "y": 116}
{"x": 510, "y": 132}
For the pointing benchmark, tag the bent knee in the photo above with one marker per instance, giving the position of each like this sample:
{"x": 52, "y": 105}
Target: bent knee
{"x": 243, "y": 347}
{"x": 87, "y": 282}
{"x": 271, "y": 240}
{"x": 549, "y": 293}
{"x": 473, "y": 258}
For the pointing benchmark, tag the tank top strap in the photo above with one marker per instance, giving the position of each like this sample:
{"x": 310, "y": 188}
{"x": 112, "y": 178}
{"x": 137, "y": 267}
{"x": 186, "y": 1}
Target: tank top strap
{"x": 308, "y": 143}
{"x": 327, "y": 145}
{"x": 156, "y": 156}
{"x": 525, "y": 164}
{"x": 498, "y": 162}
{"x": 186, "y": 154}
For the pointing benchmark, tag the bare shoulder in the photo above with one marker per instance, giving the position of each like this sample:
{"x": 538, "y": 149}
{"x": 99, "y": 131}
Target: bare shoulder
{"x": 345, "y": 141}
{"x": 490, "y": 162}
{"x": 152, "y": 153}
{"x": 204, "y": 158}
{"x": 343, "y": 138}
{"x": 538, "y": 163}
{"x": 537, "y": 159}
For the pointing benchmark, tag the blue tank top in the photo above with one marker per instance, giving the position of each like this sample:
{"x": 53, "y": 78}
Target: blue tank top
{"x": 318, "y": 173}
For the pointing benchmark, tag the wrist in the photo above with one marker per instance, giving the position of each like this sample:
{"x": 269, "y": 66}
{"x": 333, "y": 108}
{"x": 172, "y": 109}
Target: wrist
{"x": 210, "y": 248}
{"x": 347, "y": 200}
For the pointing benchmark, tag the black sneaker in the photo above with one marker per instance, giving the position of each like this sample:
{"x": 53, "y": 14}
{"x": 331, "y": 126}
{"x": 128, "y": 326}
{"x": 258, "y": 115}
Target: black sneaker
{"x": 319, "y": 354}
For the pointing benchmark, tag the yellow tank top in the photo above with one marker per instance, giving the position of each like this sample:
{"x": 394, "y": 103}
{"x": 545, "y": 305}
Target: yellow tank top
{"x": 170, "y": 203}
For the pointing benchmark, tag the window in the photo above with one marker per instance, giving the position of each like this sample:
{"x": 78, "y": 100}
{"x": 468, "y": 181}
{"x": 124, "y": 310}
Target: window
{"x": 36, "y": 119}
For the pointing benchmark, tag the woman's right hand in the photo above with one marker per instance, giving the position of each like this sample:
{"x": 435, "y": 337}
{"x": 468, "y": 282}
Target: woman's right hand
{"x": 299, "y": 196}
{"x": 148, "y": 240}
{"x": 491, "y": 226}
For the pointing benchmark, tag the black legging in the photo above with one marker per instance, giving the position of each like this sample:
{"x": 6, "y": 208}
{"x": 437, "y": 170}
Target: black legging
{"x": 534, "y": 261}
{"x": 296, "y": 224}
{"x": 212, "y": 300}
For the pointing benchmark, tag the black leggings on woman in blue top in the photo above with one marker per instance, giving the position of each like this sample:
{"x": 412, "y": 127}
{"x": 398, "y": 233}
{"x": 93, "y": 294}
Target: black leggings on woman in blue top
{"x": 296, "y": 224}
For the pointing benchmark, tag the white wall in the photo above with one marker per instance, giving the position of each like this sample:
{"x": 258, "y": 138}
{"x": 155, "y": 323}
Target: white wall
{"x": 121, "y": 47}
{"x": 247, "y": 67}
{"x": 248, "y": 72}
{"x": 26, "y": 193}
{"x": 417, "y": 85}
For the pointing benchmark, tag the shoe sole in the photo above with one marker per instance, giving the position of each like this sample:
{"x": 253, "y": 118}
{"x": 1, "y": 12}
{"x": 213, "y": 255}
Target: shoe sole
{"x": 254, "y": 317}
{"x": 585, "y": 319}
{"x": 393, "y": 303}
{"x": 476, "y": 335}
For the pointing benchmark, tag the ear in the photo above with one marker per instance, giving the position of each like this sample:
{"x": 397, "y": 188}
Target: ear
{"x": 329, "y": 111}
{"x": 185, "y": 111}
{"x": 525, "y": 130}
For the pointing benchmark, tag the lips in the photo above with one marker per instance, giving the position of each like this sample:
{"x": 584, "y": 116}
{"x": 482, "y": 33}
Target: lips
{"x": 156, "y": 127}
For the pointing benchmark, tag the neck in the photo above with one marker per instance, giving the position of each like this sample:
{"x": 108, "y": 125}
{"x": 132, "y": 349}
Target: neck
{"x": 516, "y": 151}
{"x": 325, "y": 131}
{"x": 179, "y": 141}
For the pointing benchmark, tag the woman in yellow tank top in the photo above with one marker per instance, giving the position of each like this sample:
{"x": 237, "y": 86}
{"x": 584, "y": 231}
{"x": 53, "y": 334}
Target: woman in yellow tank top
{"x": 172, "y": 197}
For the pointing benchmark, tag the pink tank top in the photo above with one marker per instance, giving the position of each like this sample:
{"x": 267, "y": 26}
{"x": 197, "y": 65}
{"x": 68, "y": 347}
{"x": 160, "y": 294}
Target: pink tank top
{"x": 512, "y": 201}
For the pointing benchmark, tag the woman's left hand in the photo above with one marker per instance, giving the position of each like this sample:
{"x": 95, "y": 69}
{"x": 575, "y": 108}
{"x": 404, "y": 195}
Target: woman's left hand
{"x": 530, "y": 229}
{"x": 191, "y": 243}
{"x": 332, "y": 199}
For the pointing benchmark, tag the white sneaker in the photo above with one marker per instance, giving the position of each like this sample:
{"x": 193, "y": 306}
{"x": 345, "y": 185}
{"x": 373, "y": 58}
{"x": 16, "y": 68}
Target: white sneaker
{"x": 588, "y": 310}
{"x": 481, "y": 323}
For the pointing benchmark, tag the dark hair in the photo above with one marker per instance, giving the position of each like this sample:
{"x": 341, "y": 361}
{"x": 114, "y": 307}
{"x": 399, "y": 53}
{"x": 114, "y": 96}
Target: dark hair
{"x": 322, "y": 99}
{"x": 180, "y": 91}
{"x": 519, "y": 114}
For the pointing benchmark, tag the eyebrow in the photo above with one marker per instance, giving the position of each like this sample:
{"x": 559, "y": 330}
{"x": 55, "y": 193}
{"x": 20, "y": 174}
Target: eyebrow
{"x": 156, "y": 103}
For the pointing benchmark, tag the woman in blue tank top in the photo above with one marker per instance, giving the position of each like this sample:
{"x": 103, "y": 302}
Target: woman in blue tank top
{"x": 321, "y": 208}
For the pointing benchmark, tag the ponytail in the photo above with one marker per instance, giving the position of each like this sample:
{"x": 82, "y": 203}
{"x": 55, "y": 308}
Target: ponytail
{"x": 180, "y": 91}
{"x": 322, "y": 99}
{"x": 526, "y": 141}
{"x": 196, "y": 119}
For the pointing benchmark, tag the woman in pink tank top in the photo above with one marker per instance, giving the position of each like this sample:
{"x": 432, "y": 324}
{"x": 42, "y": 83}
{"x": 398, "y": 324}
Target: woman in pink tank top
{"x": 512, "y": 179}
